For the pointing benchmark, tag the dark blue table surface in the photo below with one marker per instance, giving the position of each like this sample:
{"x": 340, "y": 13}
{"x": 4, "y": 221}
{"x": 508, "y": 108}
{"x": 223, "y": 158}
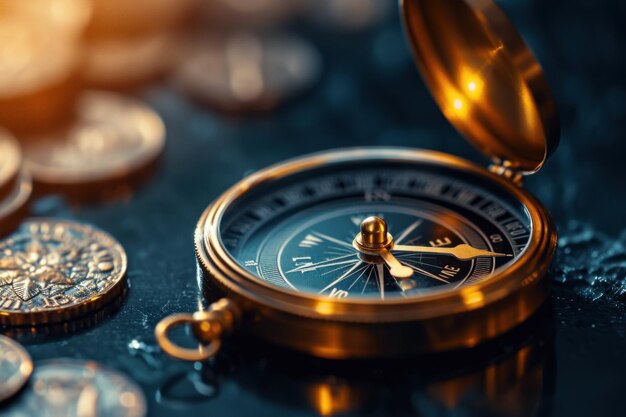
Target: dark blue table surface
{"x": 570, "y": 361}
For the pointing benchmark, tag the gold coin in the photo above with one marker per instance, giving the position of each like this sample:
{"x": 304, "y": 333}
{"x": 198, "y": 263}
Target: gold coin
{"x": 38, "y": 76}
{"x": 54, "y": 270}
{"x": 121, "y": 63}
{"x": 15, "y": 367}
{"x": 10, "y": 162}
{"x": 113, "y": 143}
{"x": 66, "y": 17}
{"x": 245, "y": 72}
{"x": 14, "y": 206}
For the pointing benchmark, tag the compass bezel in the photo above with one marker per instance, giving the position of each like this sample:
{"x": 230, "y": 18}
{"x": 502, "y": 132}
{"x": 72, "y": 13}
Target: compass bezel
{"x": 526, "y": 271}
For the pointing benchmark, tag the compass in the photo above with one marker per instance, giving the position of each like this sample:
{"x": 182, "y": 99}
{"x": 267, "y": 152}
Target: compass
{"x": 374, "y": 252}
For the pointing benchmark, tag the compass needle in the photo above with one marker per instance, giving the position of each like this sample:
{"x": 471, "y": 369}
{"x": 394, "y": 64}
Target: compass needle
{"x": 462, "y": 251}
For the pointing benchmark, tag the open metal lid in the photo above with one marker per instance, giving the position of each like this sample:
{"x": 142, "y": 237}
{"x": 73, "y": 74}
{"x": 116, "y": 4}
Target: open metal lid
{"x": 485, "y": 79}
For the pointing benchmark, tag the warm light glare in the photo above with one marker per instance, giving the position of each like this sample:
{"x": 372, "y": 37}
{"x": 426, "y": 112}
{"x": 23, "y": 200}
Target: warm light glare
{"x": 458, "y": 104}
{"x": 473, "y": 298}
{"x": 471, "y": 86}
{"x": 324, "y": 307}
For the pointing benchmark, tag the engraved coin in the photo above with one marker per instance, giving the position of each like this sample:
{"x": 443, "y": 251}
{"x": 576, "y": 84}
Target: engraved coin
{"x": 10, "y": 162}
{"x": 113, "y": 140}
{"x": 245, "y": 72}
{"x": 15, "y": 367}
{"x": 73, "y": 388}
{"x": 54, "y": 270}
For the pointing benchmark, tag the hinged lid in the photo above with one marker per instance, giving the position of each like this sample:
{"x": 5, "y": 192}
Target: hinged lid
{"x": 485, "y": 79}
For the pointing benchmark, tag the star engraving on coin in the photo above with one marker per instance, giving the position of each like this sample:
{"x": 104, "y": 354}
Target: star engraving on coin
{"x": 50, "y": 266}
{"x": 15, "y": 367}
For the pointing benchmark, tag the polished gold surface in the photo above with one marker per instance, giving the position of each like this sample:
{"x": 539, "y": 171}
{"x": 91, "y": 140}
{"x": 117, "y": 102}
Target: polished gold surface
{"x": 347, "y": 328}
{"x": 374, "y": 241}
{"x": 54, "y": 270}
{"x": 485, "y": 79}
{"x": 374, "y": 232}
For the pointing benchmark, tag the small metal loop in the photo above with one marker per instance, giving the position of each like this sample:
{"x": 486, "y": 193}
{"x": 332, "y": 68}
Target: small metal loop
{"x": 202, "y": 353}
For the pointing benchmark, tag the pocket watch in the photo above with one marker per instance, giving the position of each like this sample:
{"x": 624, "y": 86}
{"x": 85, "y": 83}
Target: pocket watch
{"x": 379, "y": 252}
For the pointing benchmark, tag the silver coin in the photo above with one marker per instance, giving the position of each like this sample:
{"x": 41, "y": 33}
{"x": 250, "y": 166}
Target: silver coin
{"x": 54, "y": 270}
{"x": 73, "y": 388}
{"x": 15, "y": 367}
{"x": 247, "y": 72}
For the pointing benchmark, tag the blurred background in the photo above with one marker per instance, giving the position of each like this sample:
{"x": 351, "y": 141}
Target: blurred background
{"x": 135, "y": 115}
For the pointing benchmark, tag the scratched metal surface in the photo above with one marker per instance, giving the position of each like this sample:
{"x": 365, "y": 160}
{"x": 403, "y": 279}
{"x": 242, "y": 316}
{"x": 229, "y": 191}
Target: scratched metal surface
{"x": 371, "y": 94}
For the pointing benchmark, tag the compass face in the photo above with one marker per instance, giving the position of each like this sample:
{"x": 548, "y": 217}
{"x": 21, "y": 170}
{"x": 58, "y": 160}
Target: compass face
{"x": 297, "y": 232}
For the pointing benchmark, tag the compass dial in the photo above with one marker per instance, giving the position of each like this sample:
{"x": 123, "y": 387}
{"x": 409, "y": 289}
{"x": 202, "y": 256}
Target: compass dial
{"x": 298, "y": 233}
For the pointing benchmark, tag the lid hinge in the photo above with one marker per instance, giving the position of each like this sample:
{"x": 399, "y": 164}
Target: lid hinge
{"x": 508, "y": 173}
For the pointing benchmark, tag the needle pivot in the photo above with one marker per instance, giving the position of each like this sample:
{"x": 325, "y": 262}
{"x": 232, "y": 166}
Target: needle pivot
{"x": 375, "y": 240}
{"x": 374, "y": 233}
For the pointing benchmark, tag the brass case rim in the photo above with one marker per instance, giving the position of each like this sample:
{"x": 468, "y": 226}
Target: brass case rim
{"x": 527, "y": 271}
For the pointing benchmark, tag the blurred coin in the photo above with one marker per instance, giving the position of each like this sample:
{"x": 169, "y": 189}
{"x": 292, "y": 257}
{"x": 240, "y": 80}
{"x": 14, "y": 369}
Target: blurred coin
{"x": 245, "y": 72}
{"x": 61, "y": 16}
{"x": 247, "y": 14}
{"x": 15, "y": 367}
{"x": 349, "y": 15}
{"x": 53, "y": 270}
{"x": 14, "y": 206}
{"x": 121, "y": 63}
{"x": 114, "y": 143}
{"x": 73, "y": 388}
{"x": 38, "y": 76}
{"x": 10, "y": 162}
{"x": 123, "y": 18}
